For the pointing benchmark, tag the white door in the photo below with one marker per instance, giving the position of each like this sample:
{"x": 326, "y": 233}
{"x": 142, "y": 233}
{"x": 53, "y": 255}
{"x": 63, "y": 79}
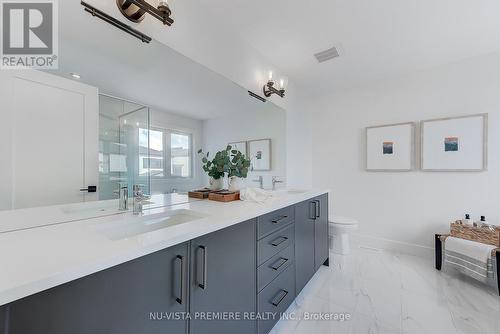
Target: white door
{"x": 53, "y": 137}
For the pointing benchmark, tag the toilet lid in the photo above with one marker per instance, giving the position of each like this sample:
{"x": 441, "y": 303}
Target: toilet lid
{"x": 343, "y": 221}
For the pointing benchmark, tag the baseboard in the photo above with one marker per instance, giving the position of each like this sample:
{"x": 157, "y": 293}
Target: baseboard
{"x": 361, "y": 240}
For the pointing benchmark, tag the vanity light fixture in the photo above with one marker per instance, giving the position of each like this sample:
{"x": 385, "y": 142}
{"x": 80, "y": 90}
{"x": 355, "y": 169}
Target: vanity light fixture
{"x": 271, "y": 88}
{"x": 135, "y": 10}
{"x": 117, "y": 23}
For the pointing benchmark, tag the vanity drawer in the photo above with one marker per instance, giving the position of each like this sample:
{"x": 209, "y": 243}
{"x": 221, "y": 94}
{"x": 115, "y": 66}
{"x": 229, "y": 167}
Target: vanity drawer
{"x": 270, "y": 269}
{"x": 276, "y": 298}
{"x": 274, "y": 243}
{"x": 273, "y": 221}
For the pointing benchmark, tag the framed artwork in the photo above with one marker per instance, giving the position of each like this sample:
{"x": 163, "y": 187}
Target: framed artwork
{"x": 240, "y": 146}
{"x": 455, "y": 144}
{"x": 390, "y": 147}
{"x": 260, "y": 154}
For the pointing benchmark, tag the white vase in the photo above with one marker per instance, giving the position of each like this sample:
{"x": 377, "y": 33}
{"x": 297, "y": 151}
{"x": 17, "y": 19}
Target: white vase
{"x": 235, "y": 183}
{"x": 216, "y": 184}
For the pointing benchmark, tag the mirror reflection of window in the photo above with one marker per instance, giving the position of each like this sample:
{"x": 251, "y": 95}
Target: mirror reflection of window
{"x": 156, "y": 153}
{"x": 165, "y": 145}
{"x": 180, "y": 157}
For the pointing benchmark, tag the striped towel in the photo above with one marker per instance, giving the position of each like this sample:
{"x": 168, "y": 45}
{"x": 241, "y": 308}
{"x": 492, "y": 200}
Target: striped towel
{"x": 470, "y": 257}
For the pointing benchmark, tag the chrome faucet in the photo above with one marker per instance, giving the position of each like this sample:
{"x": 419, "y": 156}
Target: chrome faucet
{"x": 275, "y": 180}
{"x": 123, "y": 200}
{"x": 139, "y": 198}
{"x": 261, "y": 181}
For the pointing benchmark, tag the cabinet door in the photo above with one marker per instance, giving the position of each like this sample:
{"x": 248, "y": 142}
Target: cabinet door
{"x": 3, "y": 324}
{"x": 321, "y": 251}
{"x": 223, "y": 266}
{"x": 305, "y": 214}
{"x": 125, "y": 299}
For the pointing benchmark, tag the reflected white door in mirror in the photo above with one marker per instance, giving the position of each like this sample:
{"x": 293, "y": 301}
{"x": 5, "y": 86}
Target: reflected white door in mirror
{"x": 49, "y": 134}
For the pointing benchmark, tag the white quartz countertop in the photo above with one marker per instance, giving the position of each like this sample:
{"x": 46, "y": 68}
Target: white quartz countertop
{"x": 13, "y": 220}
{"x": 37, "y": 258}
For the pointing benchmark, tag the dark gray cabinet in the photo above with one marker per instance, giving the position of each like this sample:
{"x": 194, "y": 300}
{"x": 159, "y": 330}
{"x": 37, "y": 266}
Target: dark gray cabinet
{"x": 123, "y": 299}
{"x": 321, "y": 252}
{"x": 223, "y": 267}
{"x": 3, "y": 317}
{"x": 305, "y": 213}
{"x": 192, "y": 288}
{"x": 311, "y": 238}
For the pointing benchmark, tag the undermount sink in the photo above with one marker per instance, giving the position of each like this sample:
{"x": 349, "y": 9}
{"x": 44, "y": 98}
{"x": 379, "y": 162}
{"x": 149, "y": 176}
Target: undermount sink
{"x": 140, "y": 225}
{"x": 289, "y": 192}
{"x": 99, "y": 207}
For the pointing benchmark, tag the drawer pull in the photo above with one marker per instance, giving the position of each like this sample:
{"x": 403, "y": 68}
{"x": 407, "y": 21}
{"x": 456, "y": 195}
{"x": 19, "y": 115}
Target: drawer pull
{"x": 279, "y": 219}
{"x": 280, "y": 263}
{"x": 278, "y": 241}
{"x": 277, "y": 301}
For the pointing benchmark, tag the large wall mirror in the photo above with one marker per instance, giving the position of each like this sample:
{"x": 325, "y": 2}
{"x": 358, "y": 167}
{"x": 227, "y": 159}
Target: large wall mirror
{"x": 118, "y": 111}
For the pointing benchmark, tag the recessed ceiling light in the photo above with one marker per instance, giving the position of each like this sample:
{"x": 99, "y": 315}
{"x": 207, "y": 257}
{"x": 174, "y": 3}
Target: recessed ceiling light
{"x": 75, "y": 75}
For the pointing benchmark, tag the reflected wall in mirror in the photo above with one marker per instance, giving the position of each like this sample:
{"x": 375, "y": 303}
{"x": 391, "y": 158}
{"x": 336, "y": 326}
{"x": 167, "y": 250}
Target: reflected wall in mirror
{"x": 119, "y": 111}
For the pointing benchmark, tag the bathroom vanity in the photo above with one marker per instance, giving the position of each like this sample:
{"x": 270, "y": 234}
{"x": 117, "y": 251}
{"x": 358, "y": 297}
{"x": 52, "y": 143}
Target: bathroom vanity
{"x": 233, "y": 269}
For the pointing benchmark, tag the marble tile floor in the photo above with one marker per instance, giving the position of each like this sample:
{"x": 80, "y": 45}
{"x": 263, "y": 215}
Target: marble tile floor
{"x": 379, "y": 292}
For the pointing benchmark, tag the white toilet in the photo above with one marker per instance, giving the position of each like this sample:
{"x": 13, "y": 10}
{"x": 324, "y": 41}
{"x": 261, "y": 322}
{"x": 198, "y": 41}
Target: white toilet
{"x": 339, "y": 230}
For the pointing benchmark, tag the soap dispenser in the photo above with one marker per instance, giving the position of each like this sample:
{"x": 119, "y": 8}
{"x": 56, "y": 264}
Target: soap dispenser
{"x": 485, "y": 224}
{"x": 468, "y": 221}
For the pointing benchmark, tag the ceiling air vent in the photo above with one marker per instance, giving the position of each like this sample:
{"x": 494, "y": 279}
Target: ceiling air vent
{"x": 327, "y": 55}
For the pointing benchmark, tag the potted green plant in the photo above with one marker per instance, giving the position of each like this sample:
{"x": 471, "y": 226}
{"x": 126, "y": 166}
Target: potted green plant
{"x": 215, "y": 169}
{"x": 238, "y": 170}
{"x": 226, "y": 162}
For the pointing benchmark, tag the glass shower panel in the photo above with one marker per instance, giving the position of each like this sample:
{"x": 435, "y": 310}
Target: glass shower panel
{"x": 123, "y": 146}
{"x": 135, "y": 143}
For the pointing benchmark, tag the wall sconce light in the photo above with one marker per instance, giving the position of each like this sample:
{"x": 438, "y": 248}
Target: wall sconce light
{"x": 135, "y": 10}
{"x": 272, "y": 88}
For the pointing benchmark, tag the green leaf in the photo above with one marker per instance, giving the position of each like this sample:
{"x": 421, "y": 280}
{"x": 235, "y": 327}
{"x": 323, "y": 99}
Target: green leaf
{"x": 200, "y": 150}
{"x": 204, "y": 160}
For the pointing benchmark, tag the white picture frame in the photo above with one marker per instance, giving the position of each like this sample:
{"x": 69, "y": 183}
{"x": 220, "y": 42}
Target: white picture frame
{"x": 455, "y": 144}
{"x": 260, "y": 154}
{"x": 390, "y": 148}
{"x": 240, "y": 146}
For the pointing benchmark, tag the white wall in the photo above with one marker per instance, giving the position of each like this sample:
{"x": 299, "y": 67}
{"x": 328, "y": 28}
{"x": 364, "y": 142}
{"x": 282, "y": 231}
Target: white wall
{"x": 166, "y": 120}
{"x": 407, "y": 207}
{"x": 215, "y": 46}
{"x": 269, "y": 122}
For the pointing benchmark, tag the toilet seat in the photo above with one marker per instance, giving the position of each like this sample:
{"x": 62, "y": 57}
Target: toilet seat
{"x": 342, "y": 221}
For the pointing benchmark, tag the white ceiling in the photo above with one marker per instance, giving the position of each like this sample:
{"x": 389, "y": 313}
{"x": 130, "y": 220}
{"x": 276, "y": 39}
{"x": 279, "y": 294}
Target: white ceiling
{"x": 150, "y": 74}
{"x": 377, "y": 39}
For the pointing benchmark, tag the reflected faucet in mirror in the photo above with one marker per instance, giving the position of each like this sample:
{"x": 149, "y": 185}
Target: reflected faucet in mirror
{"x": 139, "y": 198}
{"x": 275, "y": 181}
{"x": 261, "y": 181}
{"x": 123, "y": 200}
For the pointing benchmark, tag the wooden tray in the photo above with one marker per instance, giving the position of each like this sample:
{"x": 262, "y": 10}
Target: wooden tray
{"x": 480, "y": 234}
{"x": 224, "y": 196}
{"x": 200, "y": 193}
